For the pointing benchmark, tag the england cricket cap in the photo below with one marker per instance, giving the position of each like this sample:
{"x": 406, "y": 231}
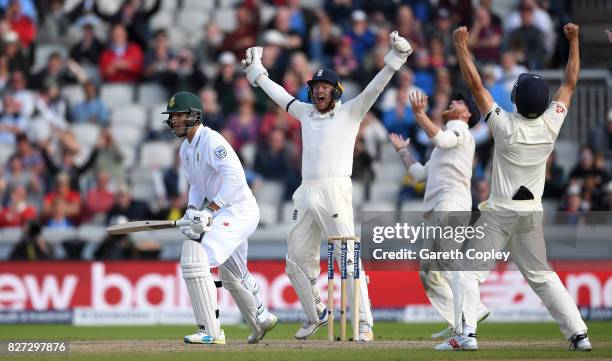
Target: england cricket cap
{"x": 530, "y": 95}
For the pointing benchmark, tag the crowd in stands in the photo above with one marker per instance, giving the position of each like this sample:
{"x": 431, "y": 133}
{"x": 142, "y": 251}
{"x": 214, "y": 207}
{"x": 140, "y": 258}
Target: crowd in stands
{"x": 53, "y": 177}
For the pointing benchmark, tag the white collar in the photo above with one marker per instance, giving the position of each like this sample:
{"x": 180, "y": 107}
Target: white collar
{"x": 196, "y": 136}
{"x": 323, "y": 115}
{"x": 457, "y": 123}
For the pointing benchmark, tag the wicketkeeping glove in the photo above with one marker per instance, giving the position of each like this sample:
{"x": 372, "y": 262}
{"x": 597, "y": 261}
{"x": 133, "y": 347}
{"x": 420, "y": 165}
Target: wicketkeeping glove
{"x": 252, "y": 65}
{"x": 400, "y": 51}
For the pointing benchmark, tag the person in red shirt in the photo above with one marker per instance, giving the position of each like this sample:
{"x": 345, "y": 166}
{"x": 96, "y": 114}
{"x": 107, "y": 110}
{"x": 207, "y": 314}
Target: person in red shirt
{"x": 21, "y": 24}
{"x": 100, "y": 199}
{"x": 121, "y": 61}
{"x": 18, "y": 212}
{"x": 63, "y": 191}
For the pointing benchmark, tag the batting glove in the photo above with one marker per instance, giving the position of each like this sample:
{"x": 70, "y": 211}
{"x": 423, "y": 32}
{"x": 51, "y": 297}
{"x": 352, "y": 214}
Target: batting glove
{"x": 252, "y": 65}
{"x": 399, "y": 53}
{"x": 200, "y": 220}
{"x": 189, "y": 233}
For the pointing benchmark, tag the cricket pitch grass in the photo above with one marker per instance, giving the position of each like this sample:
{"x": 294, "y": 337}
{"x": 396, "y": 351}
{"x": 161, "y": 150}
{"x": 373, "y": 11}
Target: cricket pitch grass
{"x": 394, "y": 341}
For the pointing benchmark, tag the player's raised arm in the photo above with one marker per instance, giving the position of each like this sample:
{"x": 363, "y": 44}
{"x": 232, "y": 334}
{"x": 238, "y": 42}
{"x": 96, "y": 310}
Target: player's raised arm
{"x": 400, "y": 51}
{"x": 564, "y": 94}
{"x": 258, "y": 76}
{"x": 416, "y": 169}
{"x": 469, "y": 72}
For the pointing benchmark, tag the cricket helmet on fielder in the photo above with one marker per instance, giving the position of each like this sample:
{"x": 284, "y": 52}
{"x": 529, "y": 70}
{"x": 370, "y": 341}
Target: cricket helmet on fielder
{"x": 185, "y": 102}
{"x": 327, "y": 76}
{"x": 531, "y": 95}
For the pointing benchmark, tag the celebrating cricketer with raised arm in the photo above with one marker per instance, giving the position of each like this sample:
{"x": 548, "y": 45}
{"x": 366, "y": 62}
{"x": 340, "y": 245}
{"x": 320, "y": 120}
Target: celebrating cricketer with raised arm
{"x": 512, "y": 216}
{"x": 217, "y": 231}
{"x": 448, "y": 174}
{"x": 323, "y": 202}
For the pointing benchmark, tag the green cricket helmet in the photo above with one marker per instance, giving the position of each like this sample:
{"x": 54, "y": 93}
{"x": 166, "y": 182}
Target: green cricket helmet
{"x": 185, "y": 102}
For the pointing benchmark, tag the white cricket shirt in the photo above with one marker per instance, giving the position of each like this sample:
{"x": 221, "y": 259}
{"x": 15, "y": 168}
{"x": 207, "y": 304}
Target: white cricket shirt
{"x": 522, "y": 147}
{"x": 213, "y": 169}
{"x": 449, "y": 169}
{"x": 328, "y": 139}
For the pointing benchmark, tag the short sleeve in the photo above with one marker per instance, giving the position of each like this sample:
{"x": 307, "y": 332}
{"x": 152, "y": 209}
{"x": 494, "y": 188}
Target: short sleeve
{"x": 555, "y": 115}
{"x": 498, "y": 120}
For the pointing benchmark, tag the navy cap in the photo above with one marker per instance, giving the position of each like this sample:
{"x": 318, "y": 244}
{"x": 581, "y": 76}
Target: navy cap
{"x": 325, "y": 75}
{"x": 530, "y": 95}
{"x": 471, "y": 105}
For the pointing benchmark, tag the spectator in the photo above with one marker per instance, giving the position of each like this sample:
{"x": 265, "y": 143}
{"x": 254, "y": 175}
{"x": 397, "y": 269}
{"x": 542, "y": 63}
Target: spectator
{"x": 224, "y": 82}
{"x": 175, "y": 180}
{"x": 18, "y": 211}
{"x": 510, "y": 70}
{"x": 405, "y": 81}
{"x": 409, "y": 27}
{"x": 99, "y": 200}
{"x": 292, "y": 41}
{"x": 134, "y": 18}
{"x": 605, "y": 202}
{"x": 585, "y": 166}
{"x": 300, "y": 66}
{"x": 244, "y": 123}
{"x": 89, "y": 48}
{"x": 30, "y": 156}
{"x": 400, "y": 120}
{"x": 601, "y": 137}
{"x": 157, "y": 60}
{"x": 424, "y": 77}
{"x": 16, "y": 59}
{"x": 67, "y": 164}
{"x": 498, "y": 90}
{"x": 17, "y": 176}
{"x": 208, "y": 48}
{"x": 443, "y": 31}
{"x": 275, "y": 59}
{"x": 363, "y": 170}
{"x": 460, "y": 10}
{"x": 278, "y": 119}
{"x": 121, "y": 61}
{"x": 11, "y": 121}
{"x": 28, "y": 7}
{"x": 276, "y": 159}
{"x": 19, "y": 92}
{"x": 126, "y": 206}
{"x": 54, "y": 23}
{"x": 362, "y": 37}
{"x": 245, "y": 34}
{"x": 58, "y": 218}
{"x": 374, "y": 135}
{"x": 214, "y": 117}
{"x": 51, "y": 113}
{"x": 183, "y": 74}
{"x": 571, "y": 209}
{"x": 20, "y": 23}
{"x": 4, "y": 72}
{"x": 554, "y": 183}
{"x": 92, "y": 109}
{"x": 69, "y": 205}
{"x": 528, "y": 40}
{"x": 345, "y": 62}
{"x": 437, "y": 56}
{"x": 113, "y": 248}
{"x": 31, "y": 246}
{"x": 485, "y": 37}
{"x": 541, "y": 19}
{"x": 324, "y": 38}
{"x": 110, "y": 157}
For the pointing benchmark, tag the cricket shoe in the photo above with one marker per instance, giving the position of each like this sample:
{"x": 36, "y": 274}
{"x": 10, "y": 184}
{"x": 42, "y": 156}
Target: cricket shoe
{"x": 202, "y": 337}
{"x": 308, "y": 329}
{"x": 580, "y": 342}
{"x": 365, "y": 332}
{"x": 264, "y": 327}
{"x": 459, "y": 343}
{"x": 483, "y": 313}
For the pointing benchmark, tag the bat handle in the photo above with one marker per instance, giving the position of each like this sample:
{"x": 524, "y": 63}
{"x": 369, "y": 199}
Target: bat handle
{"x": 182, "y": 222}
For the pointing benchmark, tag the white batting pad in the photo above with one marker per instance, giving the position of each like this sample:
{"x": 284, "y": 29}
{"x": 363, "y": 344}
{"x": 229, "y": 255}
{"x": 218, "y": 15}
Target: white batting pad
{"x": 201, "y": 287}
{"x": 305, "y": 289}
{"x": 237, "y": 279}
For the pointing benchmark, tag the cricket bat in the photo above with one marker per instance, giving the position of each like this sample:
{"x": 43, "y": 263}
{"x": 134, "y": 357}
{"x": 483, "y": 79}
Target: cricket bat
{"x": 140, "y": 226}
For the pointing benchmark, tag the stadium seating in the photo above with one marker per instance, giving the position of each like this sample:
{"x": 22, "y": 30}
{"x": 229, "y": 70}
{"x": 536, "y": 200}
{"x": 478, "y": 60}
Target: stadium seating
{"x": 132, "y": 115}
{"x": 151, "y": 94}
{"x": 86, "y": 134}
{"x": 157, "y": 154}
{"x": 117, "y": 95}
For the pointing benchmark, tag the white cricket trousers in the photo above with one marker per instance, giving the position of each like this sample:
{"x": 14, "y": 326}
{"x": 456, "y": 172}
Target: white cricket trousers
{"x": 322, "y": 208}
{"x": 522, "y": 232}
